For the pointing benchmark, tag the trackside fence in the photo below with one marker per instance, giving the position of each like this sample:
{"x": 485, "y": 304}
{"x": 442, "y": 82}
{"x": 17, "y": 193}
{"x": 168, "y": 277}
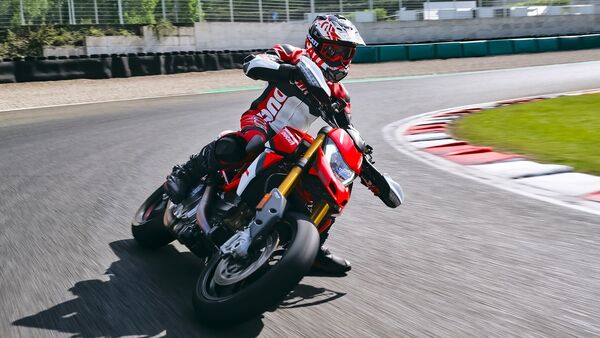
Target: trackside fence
{"x": 111, "y": 12}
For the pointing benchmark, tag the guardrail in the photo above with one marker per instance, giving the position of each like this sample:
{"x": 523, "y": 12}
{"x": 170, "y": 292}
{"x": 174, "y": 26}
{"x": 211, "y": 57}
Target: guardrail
{"x": 446, "y": 50}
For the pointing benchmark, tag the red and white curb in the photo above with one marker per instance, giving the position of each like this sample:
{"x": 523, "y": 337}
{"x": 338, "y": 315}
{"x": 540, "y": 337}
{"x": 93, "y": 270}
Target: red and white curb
{"x": 425, "y": 137}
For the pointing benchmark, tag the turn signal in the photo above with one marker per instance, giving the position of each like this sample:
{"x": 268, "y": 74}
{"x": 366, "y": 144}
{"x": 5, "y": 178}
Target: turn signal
{"x": 262, "y": 202}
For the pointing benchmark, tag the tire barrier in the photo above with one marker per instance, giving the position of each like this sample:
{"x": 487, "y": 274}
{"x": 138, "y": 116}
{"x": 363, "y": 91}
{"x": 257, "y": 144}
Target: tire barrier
{"x": 49, "y": 69}
{"x": 447, "y": 50}
{"x": 145, "y": 64}
{"x": 141, "y": 64}
{"x": 106, "y": 66}
{"x": 7, "y": 72}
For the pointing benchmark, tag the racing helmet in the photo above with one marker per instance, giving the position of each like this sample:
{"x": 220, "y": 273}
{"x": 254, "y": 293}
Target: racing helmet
{"x": 331, "y": 43}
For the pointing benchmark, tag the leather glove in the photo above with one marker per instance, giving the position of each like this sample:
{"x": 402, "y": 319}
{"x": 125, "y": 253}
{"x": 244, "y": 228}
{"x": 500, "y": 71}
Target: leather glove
{"x": 292, "y": 71}
{"x": 314, "y": 91}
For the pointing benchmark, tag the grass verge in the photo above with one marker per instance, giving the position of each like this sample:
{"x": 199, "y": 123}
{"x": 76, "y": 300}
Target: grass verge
{"x": 564, "y": 130}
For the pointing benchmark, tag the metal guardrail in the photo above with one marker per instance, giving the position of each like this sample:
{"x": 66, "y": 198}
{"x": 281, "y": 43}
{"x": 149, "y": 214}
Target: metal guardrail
{"x": 88, "y": 12}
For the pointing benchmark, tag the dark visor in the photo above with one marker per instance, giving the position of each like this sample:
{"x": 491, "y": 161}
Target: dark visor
{"x": 333, "y": 52}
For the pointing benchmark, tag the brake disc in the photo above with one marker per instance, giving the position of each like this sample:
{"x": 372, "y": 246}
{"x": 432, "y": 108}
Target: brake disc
{"x": 232, "y": 270}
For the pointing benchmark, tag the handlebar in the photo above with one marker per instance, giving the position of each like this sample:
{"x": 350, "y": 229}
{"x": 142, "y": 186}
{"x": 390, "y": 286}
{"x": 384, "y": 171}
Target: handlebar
{"x": 331, "y": 110}
{"x": 328, "y": 114}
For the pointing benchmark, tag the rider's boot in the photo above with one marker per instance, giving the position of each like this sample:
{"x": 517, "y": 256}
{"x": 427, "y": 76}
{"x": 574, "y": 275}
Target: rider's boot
{"x": 181, "y": 180}
{"x": 328, "y": 263}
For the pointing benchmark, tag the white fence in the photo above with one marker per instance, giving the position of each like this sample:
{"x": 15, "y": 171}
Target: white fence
{"x": 72, "y": 12}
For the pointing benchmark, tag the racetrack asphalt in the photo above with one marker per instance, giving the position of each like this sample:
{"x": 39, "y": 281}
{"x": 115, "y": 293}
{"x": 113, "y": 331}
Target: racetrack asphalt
{"x": 458, "y": 259}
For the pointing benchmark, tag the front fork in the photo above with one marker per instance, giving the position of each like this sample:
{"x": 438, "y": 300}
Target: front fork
{"x": 271, "y": 208}
{"x": 319, "y": 212}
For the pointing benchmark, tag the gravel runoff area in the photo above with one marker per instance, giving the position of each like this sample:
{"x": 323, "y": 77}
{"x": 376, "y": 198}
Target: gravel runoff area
{"x": 39, "y": 94}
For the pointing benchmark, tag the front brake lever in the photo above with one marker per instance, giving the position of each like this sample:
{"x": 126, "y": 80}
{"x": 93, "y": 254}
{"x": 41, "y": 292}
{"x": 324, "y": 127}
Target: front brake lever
{"x": 327, "y": 115}
{"x": 368, "y": 154}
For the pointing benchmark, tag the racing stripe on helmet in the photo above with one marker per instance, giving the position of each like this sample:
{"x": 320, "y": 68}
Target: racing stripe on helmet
{"x": 313, "y": 55}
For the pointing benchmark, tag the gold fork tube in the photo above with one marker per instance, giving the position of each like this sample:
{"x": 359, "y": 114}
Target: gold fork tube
{"x": 292, "y": 178}
{"x": 319, "y": 212}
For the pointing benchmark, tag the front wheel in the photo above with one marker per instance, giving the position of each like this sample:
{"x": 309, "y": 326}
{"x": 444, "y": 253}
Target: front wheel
{"x": 229, "y": 291}
{"x": 147, "y": 225}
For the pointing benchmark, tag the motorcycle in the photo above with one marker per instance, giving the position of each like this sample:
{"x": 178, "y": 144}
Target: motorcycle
{"x": 258, "y": 226}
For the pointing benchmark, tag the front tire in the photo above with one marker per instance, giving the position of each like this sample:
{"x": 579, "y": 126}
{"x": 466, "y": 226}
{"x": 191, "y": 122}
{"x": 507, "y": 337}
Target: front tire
{"x": 147, "y": 226}
{"x": 220, "y": 305}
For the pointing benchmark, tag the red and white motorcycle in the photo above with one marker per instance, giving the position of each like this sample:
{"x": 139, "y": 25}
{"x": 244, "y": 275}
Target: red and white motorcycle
{"x": 258, "y": 226}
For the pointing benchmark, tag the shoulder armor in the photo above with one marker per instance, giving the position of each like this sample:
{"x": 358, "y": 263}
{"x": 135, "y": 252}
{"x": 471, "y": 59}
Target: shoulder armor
{"x": 288, "y": 53}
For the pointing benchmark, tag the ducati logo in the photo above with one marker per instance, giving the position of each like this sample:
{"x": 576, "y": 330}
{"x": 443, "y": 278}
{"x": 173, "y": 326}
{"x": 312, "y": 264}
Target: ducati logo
{"x": 273, "y": 106}
{"x": 288, "y": 136}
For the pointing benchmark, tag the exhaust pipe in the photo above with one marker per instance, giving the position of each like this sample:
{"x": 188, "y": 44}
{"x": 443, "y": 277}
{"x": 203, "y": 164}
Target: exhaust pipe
{"x": 203, "y": 209}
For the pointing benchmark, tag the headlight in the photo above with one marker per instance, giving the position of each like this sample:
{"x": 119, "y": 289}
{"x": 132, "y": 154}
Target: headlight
{"x": 339, "y": 167}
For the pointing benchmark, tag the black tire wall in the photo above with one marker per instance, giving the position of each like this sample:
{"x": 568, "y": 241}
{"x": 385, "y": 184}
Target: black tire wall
{"x": 118, "y": 65}
{"x": 7, "y": 72}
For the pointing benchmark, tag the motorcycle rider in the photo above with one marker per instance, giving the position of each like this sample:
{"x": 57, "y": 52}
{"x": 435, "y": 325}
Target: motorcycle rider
{"x": 331, "y": 44}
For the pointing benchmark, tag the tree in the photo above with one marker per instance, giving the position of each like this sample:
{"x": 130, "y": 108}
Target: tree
{"x": 34, "y": 11}
{"x": 139, "y": 11}
{"x": 194, "y": 12}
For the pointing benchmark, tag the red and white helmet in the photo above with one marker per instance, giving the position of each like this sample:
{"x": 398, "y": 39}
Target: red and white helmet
{"x": 331, "y": 43}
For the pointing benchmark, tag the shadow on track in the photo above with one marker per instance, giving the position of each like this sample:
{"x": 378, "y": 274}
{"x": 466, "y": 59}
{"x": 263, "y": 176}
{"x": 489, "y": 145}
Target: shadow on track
{"x": 148, "y": 294}
{"x": 306, "y": 295}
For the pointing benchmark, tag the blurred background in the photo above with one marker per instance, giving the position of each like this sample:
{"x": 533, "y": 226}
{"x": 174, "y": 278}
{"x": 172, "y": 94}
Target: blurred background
{"x": 87, "y": 27}
{"x": 88, "y": 12}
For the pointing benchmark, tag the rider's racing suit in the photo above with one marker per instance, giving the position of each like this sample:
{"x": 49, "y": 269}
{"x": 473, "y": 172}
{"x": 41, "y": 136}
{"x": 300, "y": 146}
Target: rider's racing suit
{"x": 284, "y": 101}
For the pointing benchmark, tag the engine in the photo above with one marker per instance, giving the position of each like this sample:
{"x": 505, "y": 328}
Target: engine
{"x": 232, "y": 216}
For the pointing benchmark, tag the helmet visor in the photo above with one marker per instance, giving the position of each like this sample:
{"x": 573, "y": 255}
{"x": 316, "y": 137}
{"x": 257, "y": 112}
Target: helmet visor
{"x": 336, "y": 53}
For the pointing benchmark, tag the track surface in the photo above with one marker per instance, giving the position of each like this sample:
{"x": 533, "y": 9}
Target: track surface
{"x": 459, "y": 259}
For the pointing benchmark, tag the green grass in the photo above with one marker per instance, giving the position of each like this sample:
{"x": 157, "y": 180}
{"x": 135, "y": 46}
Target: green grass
{"x": 564, "y": 130}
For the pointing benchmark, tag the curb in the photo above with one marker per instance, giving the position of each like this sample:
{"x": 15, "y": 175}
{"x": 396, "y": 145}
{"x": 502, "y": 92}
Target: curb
{"x": 425, "y": 137}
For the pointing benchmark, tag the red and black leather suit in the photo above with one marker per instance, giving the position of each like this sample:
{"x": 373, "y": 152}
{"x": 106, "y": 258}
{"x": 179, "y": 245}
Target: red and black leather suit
{"x": 284, "y": 102}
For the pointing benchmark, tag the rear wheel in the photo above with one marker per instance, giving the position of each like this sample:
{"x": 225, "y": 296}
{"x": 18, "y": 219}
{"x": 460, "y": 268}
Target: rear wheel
{"x": 230, "y": 291}
{"x": 147, "y": 225}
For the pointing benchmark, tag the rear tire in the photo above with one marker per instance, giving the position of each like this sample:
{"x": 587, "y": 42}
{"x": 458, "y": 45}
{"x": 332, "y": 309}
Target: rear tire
{"x": 147, "y": 226}
{"x": 265, "y": 287}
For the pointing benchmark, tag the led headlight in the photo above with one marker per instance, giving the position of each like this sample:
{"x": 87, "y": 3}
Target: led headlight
{"x": 339, "y": 167}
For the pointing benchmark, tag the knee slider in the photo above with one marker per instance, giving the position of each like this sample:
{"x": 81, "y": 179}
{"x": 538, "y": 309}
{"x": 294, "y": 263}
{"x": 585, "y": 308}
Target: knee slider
{"x": 230, "y": 148}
